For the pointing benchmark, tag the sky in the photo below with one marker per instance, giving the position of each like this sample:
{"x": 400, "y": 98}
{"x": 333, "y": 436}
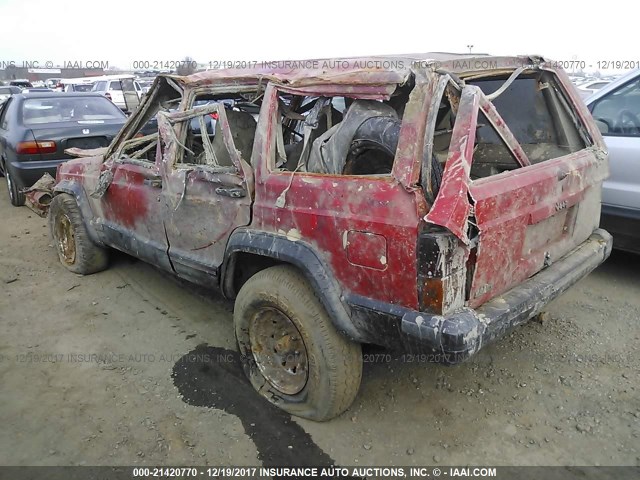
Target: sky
{"x": 122, "y": 32}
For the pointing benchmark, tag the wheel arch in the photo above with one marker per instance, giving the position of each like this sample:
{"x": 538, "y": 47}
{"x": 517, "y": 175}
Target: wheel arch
{"x": 263, "y": 250}
{"x": 76, "y": 191}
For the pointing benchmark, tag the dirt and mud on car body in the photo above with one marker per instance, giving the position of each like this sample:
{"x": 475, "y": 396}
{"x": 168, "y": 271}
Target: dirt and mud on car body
{"x": 427, "y": 203}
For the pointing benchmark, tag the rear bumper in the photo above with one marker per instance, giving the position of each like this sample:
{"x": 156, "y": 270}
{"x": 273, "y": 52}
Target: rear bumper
{"x": 457, "y": 336}
{"x": 28, "y": 173}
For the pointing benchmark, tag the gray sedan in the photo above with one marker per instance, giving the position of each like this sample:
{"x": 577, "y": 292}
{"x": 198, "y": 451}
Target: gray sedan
{"x": 37, "y": 128}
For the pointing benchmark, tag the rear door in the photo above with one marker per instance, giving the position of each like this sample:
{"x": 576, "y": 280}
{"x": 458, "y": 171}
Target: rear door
{"x": 208, "y": 189}
{"x": 522, "y": 183}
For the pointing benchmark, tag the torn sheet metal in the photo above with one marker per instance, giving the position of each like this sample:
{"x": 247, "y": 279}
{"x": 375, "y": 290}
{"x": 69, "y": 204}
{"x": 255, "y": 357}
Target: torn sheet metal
{"x": 81, "y": 152}
{"x": 39, "y": 195}
{"x": 451, "y": 208}
{"x": 453, "y": 204}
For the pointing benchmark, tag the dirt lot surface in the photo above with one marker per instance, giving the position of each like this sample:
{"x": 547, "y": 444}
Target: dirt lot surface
{"x": 130, "y": 366}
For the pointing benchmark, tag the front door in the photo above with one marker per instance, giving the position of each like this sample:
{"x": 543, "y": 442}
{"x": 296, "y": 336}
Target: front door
{"x": 131, "y": 207}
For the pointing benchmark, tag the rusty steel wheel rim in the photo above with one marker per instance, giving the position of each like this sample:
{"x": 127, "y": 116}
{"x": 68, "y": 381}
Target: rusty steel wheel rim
{"x": 65, "y": 239}
{"x": 279, "y": 351}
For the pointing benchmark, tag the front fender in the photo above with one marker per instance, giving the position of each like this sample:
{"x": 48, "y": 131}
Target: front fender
{"x": 76, "y": 191}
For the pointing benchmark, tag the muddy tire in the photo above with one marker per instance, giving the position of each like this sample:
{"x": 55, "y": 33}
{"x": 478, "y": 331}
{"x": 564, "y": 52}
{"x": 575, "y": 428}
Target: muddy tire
{"x": 289, "y": 348}
{"x": 75, "y": 248}
{"x": 16, "y": 196}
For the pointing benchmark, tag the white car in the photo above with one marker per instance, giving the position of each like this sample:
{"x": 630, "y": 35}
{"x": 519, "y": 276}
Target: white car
{"x": 588, "y": 88}
{"x": 52, "y": 83}
{"x": 82, "y": 84}
{"x": 123, "y": 90}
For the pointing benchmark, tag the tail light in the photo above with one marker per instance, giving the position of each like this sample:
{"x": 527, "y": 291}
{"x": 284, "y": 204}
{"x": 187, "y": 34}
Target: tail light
{"x": 33, "y": 148}
{"x": 214, "y": 115}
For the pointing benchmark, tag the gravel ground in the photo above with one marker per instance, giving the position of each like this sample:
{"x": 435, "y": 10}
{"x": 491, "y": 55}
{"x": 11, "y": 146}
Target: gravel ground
{"x": 96, "y": 370}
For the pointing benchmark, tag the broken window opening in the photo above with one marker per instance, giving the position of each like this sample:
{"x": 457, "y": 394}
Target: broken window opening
{"x": 164, "y": 99}
{"x": 203, "y": 141}
{"x": 535, "y": 110}
{"x": 142, "y": 139}
{"x": 535, "y": 114}
{"x": 128, "y": 144}
{"x": 141, "y": 148}
{"x": 445, "y": 119}
{"x": 338, "y": 135}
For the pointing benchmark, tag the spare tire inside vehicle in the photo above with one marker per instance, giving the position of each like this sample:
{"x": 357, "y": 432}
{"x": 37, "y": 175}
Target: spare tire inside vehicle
{"x": 373, "y": 149}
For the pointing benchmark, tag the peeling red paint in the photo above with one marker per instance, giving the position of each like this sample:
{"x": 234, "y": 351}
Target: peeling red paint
{"x": 127, "y": 200}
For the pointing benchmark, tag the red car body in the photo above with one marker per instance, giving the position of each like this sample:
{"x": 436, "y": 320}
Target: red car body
{"x": 394, "y": 261}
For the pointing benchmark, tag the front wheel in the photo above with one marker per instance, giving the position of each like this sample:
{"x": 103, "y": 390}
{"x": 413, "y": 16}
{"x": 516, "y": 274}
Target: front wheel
{"x": 75, "y": 248}
{"x": 290, "y": 350}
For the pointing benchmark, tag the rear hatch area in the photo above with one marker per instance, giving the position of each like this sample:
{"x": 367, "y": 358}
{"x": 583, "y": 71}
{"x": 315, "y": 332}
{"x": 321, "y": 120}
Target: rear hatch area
{"x": 523, "y": 169}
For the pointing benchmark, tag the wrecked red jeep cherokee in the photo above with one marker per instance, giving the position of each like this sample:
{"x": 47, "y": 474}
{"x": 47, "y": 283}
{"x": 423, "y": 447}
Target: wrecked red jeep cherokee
{"x": 427, "y": 204}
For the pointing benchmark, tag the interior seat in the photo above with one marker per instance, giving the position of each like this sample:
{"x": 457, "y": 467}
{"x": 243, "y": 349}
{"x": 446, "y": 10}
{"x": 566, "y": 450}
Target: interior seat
{"x": 243, "y": 130}
{"x": 326, "y": 119}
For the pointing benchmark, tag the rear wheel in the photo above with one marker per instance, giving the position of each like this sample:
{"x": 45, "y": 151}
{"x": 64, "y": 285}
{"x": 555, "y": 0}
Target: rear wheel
{"x": 16, "y": 197}
{"x": 75, "y": 248}
{"x": 290, "y": 350}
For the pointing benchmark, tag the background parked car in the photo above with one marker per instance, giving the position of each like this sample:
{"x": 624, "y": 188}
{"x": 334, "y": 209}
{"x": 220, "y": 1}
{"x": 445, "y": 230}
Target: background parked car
{"x": 6, "y": 92}
{"x": 616, "y": 109}
{"x": 22, "y": 83}
{"x": 122, "y": 90}
{"x": 52, "y": 83}
{"x": 77, "y": 84}
{"x": 36, "y": 128}
{"x": 145, "y": 85}
{"x": 36, "y": 90}
{"x": 590, "y": 87}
